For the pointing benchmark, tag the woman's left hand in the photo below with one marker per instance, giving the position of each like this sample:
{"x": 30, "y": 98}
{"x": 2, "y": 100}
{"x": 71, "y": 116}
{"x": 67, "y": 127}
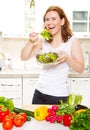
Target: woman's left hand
{"x": 62, "y": 58}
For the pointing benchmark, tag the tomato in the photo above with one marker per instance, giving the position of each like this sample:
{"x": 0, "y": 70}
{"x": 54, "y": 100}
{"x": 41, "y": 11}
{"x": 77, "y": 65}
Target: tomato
{"x": 7, "y": 117}
{"x": 18, "y": 120}
{"x": 7, "y": 123}
{"x": 12, "y": 114}
{"x": 67, "y": 118}
{"x": 24, "y": 116}
{"x": 3, "y": 112}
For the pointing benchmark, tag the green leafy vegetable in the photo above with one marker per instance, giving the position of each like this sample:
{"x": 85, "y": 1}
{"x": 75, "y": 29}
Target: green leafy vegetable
{"x": 68, "y": 107}
{"x": 74, "y": 99}
{"x": 47, "y": 57}
{"x": 7, "y": 103}
{"x": 46, "y": 35}
{"x": 81, "y": 121}
{"x": 65, "y": 108}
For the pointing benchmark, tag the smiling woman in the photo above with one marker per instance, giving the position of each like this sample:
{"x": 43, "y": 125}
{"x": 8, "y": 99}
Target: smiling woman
{"x": 52, "y": 84}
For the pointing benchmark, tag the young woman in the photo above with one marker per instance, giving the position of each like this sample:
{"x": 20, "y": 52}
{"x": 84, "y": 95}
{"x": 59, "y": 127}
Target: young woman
{"x": 52, "y": 83}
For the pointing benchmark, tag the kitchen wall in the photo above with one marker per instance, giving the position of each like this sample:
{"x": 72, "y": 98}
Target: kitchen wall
{"x": 11, "y": 47}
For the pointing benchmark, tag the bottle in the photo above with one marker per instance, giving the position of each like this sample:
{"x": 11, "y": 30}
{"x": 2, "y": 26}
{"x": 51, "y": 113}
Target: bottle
{"x": 32, "y": 7}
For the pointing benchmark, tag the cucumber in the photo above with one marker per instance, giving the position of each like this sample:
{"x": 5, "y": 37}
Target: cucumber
{"x": 28, "y": 112}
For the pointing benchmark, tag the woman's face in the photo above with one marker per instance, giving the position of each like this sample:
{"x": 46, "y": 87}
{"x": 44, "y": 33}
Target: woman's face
{"x": 53, "y": 22}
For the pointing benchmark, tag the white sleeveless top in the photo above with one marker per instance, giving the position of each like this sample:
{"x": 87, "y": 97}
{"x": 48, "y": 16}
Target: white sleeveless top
{"x": 53, "y": 79}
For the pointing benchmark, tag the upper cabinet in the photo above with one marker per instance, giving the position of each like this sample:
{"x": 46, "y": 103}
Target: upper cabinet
{"x": 13, "y": 18}
{"x": 81, "y": 23}
{"x": 18, "y": 18}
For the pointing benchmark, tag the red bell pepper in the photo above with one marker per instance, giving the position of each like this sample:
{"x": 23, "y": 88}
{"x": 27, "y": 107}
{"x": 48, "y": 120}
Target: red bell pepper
{"x": 3, "y": 112}
{"x": 67, "y": 118}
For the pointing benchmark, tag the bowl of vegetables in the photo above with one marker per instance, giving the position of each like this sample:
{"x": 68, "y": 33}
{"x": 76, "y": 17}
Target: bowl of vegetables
{"x": 47, "y": 58}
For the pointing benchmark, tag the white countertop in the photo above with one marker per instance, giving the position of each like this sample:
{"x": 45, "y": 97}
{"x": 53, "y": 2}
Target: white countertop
{"x": 39, "y": 125}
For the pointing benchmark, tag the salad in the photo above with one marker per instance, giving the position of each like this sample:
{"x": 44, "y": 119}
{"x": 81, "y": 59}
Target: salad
{"x": 46, "y": 58}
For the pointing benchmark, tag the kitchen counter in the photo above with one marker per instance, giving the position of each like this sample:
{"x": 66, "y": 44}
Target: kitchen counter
{"x": 18, "y": 73}
{"x": 77, "y": 75}
{"x": 39, "y": 125}
{"x": 33, "y": 73}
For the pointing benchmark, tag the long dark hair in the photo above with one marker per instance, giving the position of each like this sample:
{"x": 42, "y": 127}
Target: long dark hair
{"x": 65, "y": 29}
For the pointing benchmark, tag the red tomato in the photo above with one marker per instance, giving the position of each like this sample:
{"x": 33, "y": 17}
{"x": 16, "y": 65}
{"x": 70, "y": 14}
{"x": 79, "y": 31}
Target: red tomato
{"x": 12, "y": 115}
{"x": 7, "y": 117}
{"x": 24, "y": 116}
{"x": 7, "y": 124}
{"x": 18, "y": 121}
{"x": 67, "y": 118}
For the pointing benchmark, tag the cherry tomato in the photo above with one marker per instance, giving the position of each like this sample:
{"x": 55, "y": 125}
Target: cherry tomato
{"x": 7, "y": 124}
{"x": 18, "y": 121}
{"x": 67, "y": 118}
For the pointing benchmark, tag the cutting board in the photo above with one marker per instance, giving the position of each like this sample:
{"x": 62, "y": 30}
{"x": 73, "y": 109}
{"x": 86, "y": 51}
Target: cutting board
{"x": 39, "y": 125}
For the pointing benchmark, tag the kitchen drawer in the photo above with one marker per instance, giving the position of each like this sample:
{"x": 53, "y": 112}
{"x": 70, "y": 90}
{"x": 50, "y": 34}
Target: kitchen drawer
{"x": 12, "y": 88}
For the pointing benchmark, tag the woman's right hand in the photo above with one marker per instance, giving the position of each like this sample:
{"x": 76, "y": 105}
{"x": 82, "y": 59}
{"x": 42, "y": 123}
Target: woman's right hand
{"x": 33, "y": 37}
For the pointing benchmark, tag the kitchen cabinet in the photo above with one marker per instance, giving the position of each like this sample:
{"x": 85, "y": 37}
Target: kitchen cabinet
{"x": 81, "y": 86}
{"x": 28, "y": 89}
{"x": 13, "y": 18}
{"x": 12, "y": 88}
{"x": 20, "y": 19}
{"x": 81, "y": 23}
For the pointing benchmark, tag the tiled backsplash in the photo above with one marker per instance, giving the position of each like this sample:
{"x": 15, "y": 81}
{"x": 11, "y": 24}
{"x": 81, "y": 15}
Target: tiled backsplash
{"x": 11, "y": 47}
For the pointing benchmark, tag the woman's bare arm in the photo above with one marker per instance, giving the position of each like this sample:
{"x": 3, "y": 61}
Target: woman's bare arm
{"x": 76, "y": 59}
{"x": 31, "y": 47}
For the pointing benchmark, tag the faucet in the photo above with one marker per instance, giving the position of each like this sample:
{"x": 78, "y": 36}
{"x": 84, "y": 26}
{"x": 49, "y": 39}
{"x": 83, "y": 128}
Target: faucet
{"x": 88, "y": 66}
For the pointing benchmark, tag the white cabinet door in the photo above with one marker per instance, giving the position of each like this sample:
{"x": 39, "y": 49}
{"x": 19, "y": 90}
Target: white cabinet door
{"x": 12, "y": 88}
{"x": 28, "y": 89}
{"x": 17, "y": 19}
{"x": 13, "y": 18}
{"x": 81, "y": 86}
{"x": 81, "y": 23}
